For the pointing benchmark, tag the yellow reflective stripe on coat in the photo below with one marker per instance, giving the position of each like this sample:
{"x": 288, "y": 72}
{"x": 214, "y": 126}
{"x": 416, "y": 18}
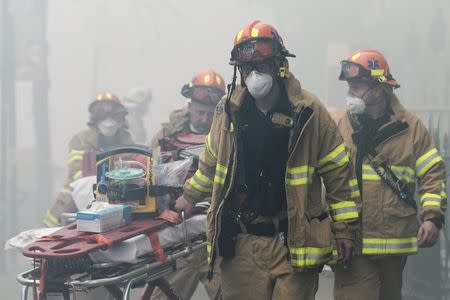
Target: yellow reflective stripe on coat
{"x": 344, "y": 210}
{"x": 335, "y": 258}
{"x": 443, "y": 192}
{"x": 310, "y": 256}
{"x": 335, "y": 159}
{"x": 201, "y": 182}
{"x": 428, "y": 199}
{"x": 380, "y": 246}
{"x": 403, "y": 173}
{"x": 426, "y": 161}
{"x": 77, "y": 175}
{"x": 354, "y": 189}
{"x": 300, "y": 175}
{"x": 209, "y": 148}
{"x": 221, "y": 174}
{"x": 368, "y": 173}
{"x": 50, "y": 220}
{"x": 75, "y": 155}
{"x": 209, "y": 252}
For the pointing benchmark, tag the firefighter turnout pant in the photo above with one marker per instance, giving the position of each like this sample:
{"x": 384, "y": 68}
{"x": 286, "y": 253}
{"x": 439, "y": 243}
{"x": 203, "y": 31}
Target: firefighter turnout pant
{"x": 370, "y": 278}
{"x": 260, "y": 270}
{"x": 190, "y": 272}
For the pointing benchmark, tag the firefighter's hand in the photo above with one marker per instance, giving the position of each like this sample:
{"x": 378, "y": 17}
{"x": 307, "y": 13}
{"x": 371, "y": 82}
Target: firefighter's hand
{"x": 345, "y": 250}
{"x": 182, "y": 205}
{"x": 428, "y": 234}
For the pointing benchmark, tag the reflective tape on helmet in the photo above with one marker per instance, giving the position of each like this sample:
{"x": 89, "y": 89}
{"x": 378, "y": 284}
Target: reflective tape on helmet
{"x": 335, "y": 159}
{"x": 344, "y": 210}
{"x": 354, "y": 189}
{"x": 427, "y": 161}
{"x": 300, "y": 175}
{"x": 310, "y": 256}
{"x": 255, "y": 32}
{"x": 221, "y": 174}
{"x": 380, "y": 246}
{"x": 356, "y": 56}
{"x": 429, "y": 199}
{"x": 209, "y": 148}
{"x": 379, "y": 72}
{"x": 201, "y": 182}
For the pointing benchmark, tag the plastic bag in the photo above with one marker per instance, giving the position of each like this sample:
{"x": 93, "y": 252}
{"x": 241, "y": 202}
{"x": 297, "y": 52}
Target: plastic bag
{"x": 172, "y": 174}
{"x": 169, "y": 181}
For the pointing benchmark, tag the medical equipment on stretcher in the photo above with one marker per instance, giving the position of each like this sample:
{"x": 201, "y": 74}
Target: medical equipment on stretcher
{"x": 125, "y": 176}
{"x": 67, "y": 261}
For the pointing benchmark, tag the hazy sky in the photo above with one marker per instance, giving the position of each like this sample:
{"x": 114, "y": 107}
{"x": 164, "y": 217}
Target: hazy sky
{"x": 161, "y": 44}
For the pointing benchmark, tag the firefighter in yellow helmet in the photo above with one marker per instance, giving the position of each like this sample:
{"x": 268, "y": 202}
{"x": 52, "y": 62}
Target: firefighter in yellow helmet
{"x": 392, "y": 152}
{"x": 188, "y": 127}
{"x": 271, "y": 145}
{"x": 107, "y": 128}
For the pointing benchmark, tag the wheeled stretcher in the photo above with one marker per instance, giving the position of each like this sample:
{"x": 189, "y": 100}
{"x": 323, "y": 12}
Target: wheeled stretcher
{"x": 66, "y": 263}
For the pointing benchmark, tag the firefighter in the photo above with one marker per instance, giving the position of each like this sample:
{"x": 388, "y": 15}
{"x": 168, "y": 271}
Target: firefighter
{"x": 270, "y": 146}
{"x": 137, "y": 102}
{"x": 392, "y": 151}
{"x": 188, "y": 127}
{"x": 107, "y": 128}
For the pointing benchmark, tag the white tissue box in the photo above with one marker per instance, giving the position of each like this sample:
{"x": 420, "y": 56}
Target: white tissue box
{"x": 103, "y": 217}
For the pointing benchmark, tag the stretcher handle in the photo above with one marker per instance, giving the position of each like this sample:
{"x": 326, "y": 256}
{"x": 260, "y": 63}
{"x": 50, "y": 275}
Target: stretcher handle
{"x": 187, "y": 241}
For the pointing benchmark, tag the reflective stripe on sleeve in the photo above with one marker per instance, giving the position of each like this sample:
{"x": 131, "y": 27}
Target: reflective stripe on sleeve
{"x": 300, "y": 175}
{"x": 354, "y": 189}
{"x": 50, "y": 220}
{"x": 380, "y": 246}
{"x": 209, "y": 148}
{"x": 429, "y": 199}
{"x": 335, "y": 159}
{"x": 427, "y": 161}
{"x": 310, "y": 256}
{"x": 201, "y": 182}
{"x": 221, "y": 174}
{"x": 77, "y": 175}
{"x": 75, "y": 155}
{"x": 344, "y": 210}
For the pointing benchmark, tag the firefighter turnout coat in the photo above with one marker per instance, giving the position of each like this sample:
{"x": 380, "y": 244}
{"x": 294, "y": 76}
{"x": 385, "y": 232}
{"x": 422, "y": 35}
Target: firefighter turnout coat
{"x": 389, "y": 225}
{"x": 316, "y": 151}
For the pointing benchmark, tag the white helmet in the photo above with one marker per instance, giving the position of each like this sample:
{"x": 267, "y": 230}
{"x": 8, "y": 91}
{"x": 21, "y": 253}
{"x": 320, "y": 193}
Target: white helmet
{"x": 137, "y": 97}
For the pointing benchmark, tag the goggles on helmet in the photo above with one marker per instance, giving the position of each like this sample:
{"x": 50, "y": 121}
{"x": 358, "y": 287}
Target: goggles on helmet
{"x": 352, "y": 71}
{"x": 107, "y": 109}
{"x": 254, "y": 50}
{"x": 266, "y": 67}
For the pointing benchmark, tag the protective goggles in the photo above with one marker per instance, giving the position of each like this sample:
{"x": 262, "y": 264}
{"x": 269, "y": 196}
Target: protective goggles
{"x": 107, "y": 109}
{"x": 254, "y": 50}
{"x": 262, "y": 67}
{"x": 203, "y": 94}
{"x": 352, "y": 71}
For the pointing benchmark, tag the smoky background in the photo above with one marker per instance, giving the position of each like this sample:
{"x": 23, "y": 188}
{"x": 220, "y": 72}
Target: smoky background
{"x": 56, "y": 55}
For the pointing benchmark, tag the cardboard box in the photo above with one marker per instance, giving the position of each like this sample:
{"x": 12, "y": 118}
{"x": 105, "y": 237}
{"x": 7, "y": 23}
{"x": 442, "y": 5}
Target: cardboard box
{"x": 103, "y": 217}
